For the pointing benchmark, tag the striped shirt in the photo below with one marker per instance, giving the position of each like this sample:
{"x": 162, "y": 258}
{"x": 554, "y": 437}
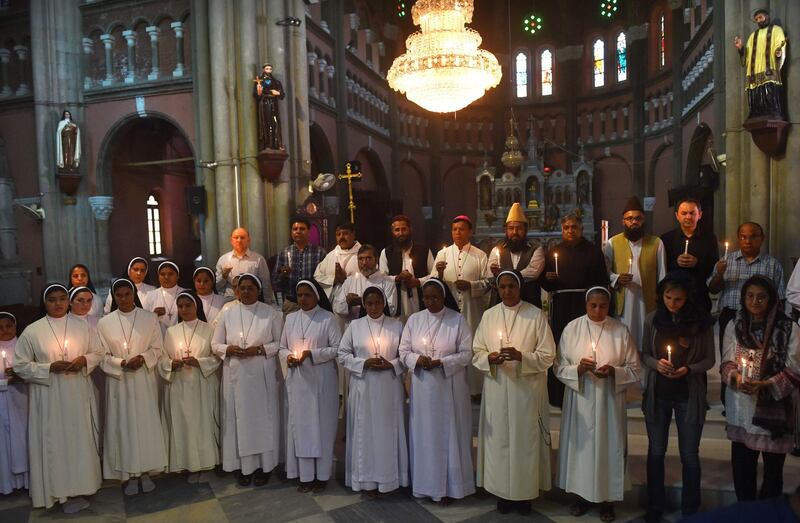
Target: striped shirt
{"x": 303, "y": 264}
{"x": 740, "y": 270}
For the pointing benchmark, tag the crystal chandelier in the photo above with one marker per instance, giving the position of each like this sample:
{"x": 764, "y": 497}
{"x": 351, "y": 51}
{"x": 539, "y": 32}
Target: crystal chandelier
{"x": 443, "y": 70}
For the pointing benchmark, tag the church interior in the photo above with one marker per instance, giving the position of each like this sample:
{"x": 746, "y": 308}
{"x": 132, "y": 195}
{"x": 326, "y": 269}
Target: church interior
{"x": 595, "y": 101}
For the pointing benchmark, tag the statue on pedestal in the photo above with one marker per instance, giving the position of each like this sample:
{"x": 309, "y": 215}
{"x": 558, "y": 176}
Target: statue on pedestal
{"x": 763, "y": 57}
{"x": 267, "y": 91}
{"x": 68, "y": 144}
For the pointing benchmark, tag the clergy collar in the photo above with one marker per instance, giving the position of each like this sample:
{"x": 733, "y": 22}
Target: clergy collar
{"x": 129, "y": 313}
{"x": 190, "y": 323}
{"x": 61, "y": 319}
{"x": 248, "y": 307}
{"x": 170, "y": 290}
{"x": 437, "y": 314}
{"x": 311, "y": 311}
{"x": 84, "y": 317}
{"x": 206, "y": 297}
{"x": 598, "y": 323}
{"x": 512, "y": 307}
{"x": 375, "y": 320}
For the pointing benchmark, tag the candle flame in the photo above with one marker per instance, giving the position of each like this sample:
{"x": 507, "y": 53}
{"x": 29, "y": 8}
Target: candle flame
{"x": 3, "y": 354}
{"x": 500, "y": 334}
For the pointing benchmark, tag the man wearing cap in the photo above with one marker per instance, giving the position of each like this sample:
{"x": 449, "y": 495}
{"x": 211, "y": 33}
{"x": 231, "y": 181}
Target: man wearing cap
{"x": 239, "y": 261}
{"x": 515, "y": 252}
{"x": 406, "y": 262}
{"x": 465, "y": 269}
{"x": 636, "y": 264}
{"x": 763, "y": 57}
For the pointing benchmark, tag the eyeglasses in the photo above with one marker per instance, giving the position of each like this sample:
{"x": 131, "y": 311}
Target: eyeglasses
{"x": 633, "y": 219}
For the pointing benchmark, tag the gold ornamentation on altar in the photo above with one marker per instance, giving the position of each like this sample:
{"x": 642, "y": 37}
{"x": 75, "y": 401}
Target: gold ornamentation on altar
{"x": 443, "y": 69}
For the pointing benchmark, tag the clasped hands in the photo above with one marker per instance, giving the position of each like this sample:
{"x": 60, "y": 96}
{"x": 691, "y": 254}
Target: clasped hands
{"x": 505, "y": 354}
{"x": 589, "y": 365}
{"x": 748, "y": 387}
{"x": 188, "y": 361}
{"x": 407, "y": 279}
{"x": 427, "y": 363}
{"x": 61, "y": 366}
{"x": 238, "y": 352}
{"x": 377, "y": 363}
{"x": 666, "y": 369}
{"x": 294, "y": 361}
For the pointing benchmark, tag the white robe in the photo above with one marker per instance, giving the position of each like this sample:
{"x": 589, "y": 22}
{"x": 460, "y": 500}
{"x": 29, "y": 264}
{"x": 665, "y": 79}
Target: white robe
{"x": 98, "y": 378}
{"x": 62, "y": 413}
{"x": 97, "y": 306}
{"x": 190, "y": 407}
{"x": 633, "y": 311}
{"x": 212, "y": 305}
{"x": 513, "y": 434}
{"x": 356, "y": 284}
{"x": 250, "y": 398}
{"x": 440, "y": 419}
{"x": 326, "y": 270}
{"x": 133, "y": 439}
{"x": 408, "y": 304}
{"x": 592, "y": 457}
{"x": 162, "y": 297}
{"x": 470, "y": 264}
{"x": 376, "y": 454}
{"x": 312, "y": 393}
{"x": 13, "y": 426}
{"x": 141, "y": 291}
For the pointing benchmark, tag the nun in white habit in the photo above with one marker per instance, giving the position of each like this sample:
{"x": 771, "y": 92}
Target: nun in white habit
{"x": 137, "y": 272}
{"x": 203, "y": 279}
{"x": 161, "y": 301}
{"x": 13, "y": 412}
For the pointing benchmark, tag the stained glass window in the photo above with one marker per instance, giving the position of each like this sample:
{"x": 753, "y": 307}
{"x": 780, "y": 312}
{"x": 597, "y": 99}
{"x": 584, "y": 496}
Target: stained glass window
{"x": 522, "y": 75}
{"x": 662, "y": 42}
{"x": 622, "y": 58}
{"x": 546, "y": 67}
{"x": 599, "y": 62}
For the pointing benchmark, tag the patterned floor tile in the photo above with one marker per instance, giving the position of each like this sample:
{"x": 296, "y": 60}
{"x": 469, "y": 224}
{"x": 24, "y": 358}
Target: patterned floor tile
{"x": 273, "y": 504}
{"x": 336, "y": 496}
{"x": 209, "y": 511}
{"x": 18, "y": 514}
{"x": 461, "y": 509}
{"x": 396, "y": 507}
{"x": 171, "y": 491}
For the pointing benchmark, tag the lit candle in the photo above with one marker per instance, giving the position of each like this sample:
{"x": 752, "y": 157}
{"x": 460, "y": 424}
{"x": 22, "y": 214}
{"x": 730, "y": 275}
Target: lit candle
{"x": 555, "y": 256}
{"x": 686, "y": 248}
{"x": 594, "y": 351}
{"x": 630, "y": 265}
{"x": 669, "y": 354}
{"x": 241, "y": 340}
{"x": 64, "y": 355}
{"x": 726, "y": 250}
{"x": 125, "y": 346}
{"x": 500, "y": 338}
{"x": 425, "y": 345}
{"x": 289, "y": 258}
{"x": 496, "y": 254}
{"x": 744, "y": 370}
{"x": 5, "y": 364}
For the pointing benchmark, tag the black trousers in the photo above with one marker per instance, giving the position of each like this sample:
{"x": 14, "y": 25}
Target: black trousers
{"x": 745, "y": 471}
{"x": 725, "y": 316}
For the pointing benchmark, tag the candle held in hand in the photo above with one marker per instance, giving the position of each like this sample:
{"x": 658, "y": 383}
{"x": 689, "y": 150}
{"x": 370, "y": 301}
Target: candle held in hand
{"x": 686, "y": 248}
{"x": 594, "y": 352}
{"x": 726, "y": 250}
{"x": 555, "y": 257}
{"x": 630, "y": 265}
{"x": 744, "y": 370}
{"x": 669, "y": 354}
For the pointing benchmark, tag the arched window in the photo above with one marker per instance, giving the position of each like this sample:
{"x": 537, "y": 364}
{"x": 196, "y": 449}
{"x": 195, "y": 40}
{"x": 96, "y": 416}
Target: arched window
{"x": 546, "y": 67}
{"x": 521, "y": 69}
{"x": 622, "y": 58}
{"x": 599, "y": 62}
{"x": 153, "y": 226}
{"x": 662, "y": 42}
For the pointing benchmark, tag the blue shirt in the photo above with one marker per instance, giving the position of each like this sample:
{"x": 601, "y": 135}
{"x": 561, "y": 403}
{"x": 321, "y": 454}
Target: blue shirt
{"x": 740, "y": 270}
{"x": 303, "y": 264}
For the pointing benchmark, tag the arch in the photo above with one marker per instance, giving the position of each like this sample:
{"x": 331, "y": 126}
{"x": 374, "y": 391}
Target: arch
{"x": 522, "y": 73}
{"x": 546, "y": 77}
{"x": 659, "y": 182}
{"x": 612, "y": 185}
{"x": 321, "y": 153}
{"x": 414, "y": 194}
{"x": 374, "y": 206}
{"x": 696, "y": 158}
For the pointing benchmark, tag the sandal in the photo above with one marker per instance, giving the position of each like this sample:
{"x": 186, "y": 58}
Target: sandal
{"x": 579, "y": 508}
{"x": 607, "y": 512}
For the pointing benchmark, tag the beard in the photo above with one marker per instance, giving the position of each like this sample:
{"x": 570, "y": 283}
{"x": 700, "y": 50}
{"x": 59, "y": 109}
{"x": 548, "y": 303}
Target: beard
{"x": 403, "y": 242}
{"x": 515, "y": 245}
{"x": 762, "y": 25}
{"x": 634, "y": 234}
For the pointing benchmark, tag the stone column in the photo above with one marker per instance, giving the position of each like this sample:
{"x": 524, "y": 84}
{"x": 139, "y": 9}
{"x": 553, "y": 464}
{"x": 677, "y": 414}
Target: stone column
{"x": 130, "y": 39}
{"x": 88, "y": 45}
{"x": 108, "y": 43}
{"x": 5, "y": 58}
{"x": 330, "y": 70}
{"x": 22, "y": 58}
{"x": 101, "y": 208}
{"x": 8, "y": 226}
{"x": 179, "y": 68}
{"x": 312, "y": 62}
{"x": 153, "y": 31}
{"x": 321, "y": 65}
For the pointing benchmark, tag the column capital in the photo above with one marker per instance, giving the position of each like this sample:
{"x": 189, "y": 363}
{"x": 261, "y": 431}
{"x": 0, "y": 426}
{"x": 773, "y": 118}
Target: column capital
{"x": 312, "y": 58}
{"x": 101, "y": 207}
{"x": 130, "y": 37}
{"x": 107, "y": 40}
{"x": 88, "y": 44}
{"x": 322, "y": 63}
{"x": 178, "y": 28}
{"x": 330, "y": 70}
{"x": 153, "y": 31}
{"x": 22, "y": 51}
{"x": 5, "y": 55}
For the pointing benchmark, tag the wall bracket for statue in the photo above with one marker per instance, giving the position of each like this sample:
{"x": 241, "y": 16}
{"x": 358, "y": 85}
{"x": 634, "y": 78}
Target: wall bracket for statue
{"x": 769, "y": 134}
{"x": 270, "y": 163}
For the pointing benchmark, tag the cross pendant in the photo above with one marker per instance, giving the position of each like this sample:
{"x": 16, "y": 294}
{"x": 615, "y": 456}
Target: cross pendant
{"x": 169, "y": 316}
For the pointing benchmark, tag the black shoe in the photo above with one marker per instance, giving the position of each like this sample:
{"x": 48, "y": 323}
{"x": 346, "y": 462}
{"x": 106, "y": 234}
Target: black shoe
{"x": 244, "y": 480}
{"x": 261, "y": 478}
{"x": 504, "y": 506}
{"x": 524, "y": 508}
{"x": 318, "y": 486}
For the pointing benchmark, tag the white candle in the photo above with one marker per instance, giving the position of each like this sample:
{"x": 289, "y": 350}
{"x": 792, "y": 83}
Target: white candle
{"x": 125, "y": 346}
{"x": 555, "y": 256}
{"x": 289, "y": 258}
{"x": 630, "y": 265}
{"x": 669, "y": 354}
{"x": 5, "y": 364}
{"x": 744, "y": 370}
{"x": 66, "y": 345}
{"x": 425, "y": 345}
{"x": 726, "y": 250}
{"x": 241, "y": 340}
{"x": 686, "y": 248}
{"x": 594, "y": 352}
{"x": 496, "y": 254}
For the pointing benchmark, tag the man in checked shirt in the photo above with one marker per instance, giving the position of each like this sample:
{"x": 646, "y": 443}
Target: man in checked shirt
{"x": 296, "y": 262}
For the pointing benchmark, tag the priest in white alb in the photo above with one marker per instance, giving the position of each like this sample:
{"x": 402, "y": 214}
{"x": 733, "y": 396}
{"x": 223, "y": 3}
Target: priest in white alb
{"x": 514, "y": 347}
{"x": 348, "y": 303}
{"x": 133, "y": 437}
{"x": 247, "y": 338}
{"x": 465, "y": 269}
{"x": 597, "y": 361}
{"x": 55, "y": 356}
{"x": 308, "y": 359}
{"x": 340, "y": 263}
{"x": 190, "y": 407}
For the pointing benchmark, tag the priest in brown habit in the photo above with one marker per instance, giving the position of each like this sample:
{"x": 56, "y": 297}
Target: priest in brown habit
{"x": 516, "y": 252}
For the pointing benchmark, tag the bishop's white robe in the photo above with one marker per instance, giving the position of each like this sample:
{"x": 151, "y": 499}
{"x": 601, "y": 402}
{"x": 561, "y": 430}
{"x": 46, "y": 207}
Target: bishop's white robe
{"x": 250, "y": 398}
{"x": 471, "y": 264}
{"x": 326, "y": 270}
{"x": 141, "y": 292}
{"x": 13, "y": 426}
{"x": 133, "y": 437}
{"x": 440, "y": 419}
{"x": 62, "y": 412}
{"x": 376, "y": 453}
{"x": 356, "y": 284}
{"x": 162, "y": 297}
{"x": 312, "y": 393}
{"x": 190, "y": 407}
{"x": 513, "y": 434}
{"x": 594, "y": 438}
{"x": 212, "y": 305}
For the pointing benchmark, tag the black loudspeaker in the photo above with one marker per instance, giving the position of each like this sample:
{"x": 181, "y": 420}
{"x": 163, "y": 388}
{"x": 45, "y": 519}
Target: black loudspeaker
{"x": 196, "y": 199}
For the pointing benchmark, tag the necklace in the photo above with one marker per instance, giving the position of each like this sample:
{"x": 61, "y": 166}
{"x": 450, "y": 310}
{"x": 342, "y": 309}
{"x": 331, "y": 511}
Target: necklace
{"x": 505, "y": 323}
{"x": 432, "y": 346}
{"x": 127, "y": 339}
{"x": 596, "y": 341}
{"x": 304, "y": 330}
{"x": 164, "y": 301}
{"x": 242, "y": 333}
{"x": 188, "y": 344}
{"x": 62, "y": 348}
{"x": 376, "y": 346}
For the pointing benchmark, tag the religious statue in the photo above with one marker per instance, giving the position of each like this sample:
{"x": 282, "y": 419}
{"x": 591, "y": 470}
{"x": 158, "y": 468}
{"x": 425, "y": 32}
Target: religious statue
{"x": 485, "y": 191}
{"x": 763, "y": 57}
{"x": 532, "y": 192}
{"x": 268, "y": 90}
{"x": 68, "y": 144}
{"x": 583, "y": 189}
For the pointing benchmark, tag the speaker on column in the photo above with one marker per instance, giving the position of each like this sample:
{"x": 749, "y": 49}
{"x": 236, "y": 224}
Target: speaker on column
{"x": 196, "y": 199}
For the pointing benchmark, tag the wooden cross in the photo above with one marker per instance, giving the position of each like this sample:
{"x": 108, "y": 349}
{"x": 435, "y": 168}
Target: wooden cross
{"x": 349, "y": 176}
